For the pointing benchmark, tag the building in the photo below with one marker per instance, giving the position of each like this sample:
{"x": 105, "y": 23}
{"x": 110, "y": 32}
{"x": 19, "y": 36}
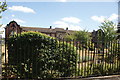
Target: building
{"x": 13, "y": 28}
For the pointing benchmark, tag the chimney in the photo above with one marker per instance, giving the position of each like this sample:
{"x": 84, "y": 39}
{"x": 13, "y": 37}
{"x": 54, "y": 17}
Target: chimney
{"x": 50, "y": 27}
{"x": 67, "y": 28}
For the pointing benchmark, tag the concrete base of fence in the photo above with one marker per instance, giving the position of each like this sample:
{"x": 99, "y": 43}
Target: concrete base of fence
{"x": 111, "y": 77}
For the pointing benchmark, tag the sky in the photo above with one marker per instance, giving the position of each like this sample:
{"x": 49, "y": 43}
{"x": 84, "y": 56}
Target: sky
{"x": 77, "y": 15}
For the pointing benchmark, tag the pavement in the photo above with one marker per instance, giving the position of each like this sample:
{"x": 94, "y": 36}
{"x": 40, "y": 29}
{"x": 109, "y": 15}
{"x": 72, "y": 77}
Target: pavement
{"x": 111, "y": 77}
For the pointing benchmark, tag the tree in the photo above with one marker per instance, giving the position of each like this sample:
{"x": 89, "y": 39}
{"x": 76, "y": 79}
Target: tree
{"x": 107, "y": 38}
{"x": 108, "y": 28}
{"x": 81, "y": 36}
{"x": 3, "y": 7}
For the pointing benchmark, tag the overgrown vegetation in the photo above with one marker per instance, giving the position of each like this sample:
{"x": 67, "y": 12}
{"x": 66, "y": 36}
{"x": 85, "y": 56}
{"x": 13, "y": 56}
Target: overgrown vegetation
{"x": 36, "y": 55}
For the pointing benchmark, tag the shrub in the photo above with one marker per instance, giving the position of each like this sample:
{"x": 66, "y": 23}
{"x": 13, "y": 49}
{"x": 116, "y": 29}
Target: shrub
{"x": 36, "y": 55}
{"x": 67, "y": 59}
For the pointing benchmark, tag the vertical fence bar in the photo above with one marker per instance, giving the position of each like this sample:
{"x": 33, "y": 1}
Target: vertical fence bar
{"x": 88, "y": 54}
{"x": 5, "y": 60}
{"x": 16, "y": 52}
{"x": 118, "y": 55}
{"x": 0, "y": 57}
{"x": 24, "y": 59}
{"x": 105, "y": 52}
{"x": 82, "y": 59}
{"x": 73, "y": 46}
{"x": 45, "y": 50}
{"x": 28, "y": 59}
{"x": 111, "y": 53}
{"x": 85, "y": 58}
{"x": 76, "y": 68}
{"x": 93, "y": 63}
{"x": 88, "y": 51}
{"x": 56, "y": 55}
{"x": 32, "y": 57}
{"x": 63, "y": 53}
{"x": 115, "y": 67}
{"x": 59, "y": 75}
{"x": 79, "y": 68}
{"x": 109, "y": 47}
{"x": 92, "y": 60}
{"x": 20, "y": 45}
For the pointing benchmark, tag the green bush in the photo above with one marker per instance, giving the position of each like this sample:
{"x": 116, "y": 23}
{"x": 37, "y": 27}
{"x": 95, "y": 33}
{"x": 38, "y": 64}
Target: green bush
{"x": 36, "y": 55}
{"x": 67, "y": 59}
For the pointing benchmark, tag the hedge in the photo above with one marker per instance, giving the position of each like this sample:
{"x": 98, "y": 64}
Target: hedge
{"x": 36, "y": 55}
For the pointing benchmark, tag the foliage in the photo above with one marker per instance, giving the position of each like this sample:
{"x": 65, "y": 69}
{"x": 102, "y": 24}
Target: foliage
{"x": 108, "y": 40}
{"x": 108, "y": 27}
{"x": 36, "y": 55}
{"x": 80, "y": 36}
{"x": 67, "y": 59}
{"x": 69, "y": 37}
{"x": 3, "y": 7}
{"x": 100, "y": 69}
{"x": 113, "y": 52}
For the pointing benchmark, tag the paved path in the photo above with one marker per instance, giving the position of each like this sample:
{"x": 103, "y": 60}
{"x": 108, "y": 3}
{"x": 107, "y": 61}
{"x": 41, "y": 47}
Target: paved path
{"x": 112, "y": 77}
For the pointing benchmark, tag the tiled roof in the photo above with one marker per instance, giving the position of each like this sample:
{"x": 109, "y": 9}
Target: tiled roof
{"x": 46, "y": 30}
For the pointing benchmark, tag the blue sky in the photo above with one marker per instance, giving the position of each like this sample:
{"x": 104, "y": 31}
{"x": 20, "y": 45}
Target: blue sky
{"x": 74, "y": 15}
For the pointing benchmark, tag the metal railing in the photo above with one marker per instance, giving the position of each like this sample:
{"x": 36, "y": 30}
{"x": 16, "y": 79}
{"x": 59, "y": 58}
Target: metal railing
{"x": 52, "y": 58}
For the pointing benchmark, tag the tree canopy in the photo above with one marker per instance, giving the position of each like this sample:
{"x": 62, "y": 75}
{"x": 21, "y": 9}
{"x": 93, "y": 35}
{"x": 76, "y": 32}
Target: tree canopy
{"x": 3, "y": 7}
{"x": 82, "y": 36}
{"x": 108, "y": 27}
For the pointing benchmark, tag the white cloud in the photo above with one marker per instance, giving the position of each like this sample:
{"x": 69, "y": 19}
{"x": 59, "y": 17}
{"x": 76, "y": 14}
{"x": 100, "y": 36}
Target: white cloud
{"x": 22, "y": 9}
{"x": 113, "y": 17}
{"x": 71, "y": 20}
{"x": 19, "y": 20}
{"x": 60, "y": 24}
{"x": 98, "y": 18}
{"x": 74, "y": 27}
{"x": 13, "y": 15}
{"x": 102, "y": 18}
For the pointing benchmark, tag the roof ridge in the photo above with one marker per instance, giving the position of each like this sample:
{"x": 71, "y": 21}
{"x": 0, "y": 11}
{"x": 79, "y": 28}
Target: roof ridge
{"x": 33, "y": 27}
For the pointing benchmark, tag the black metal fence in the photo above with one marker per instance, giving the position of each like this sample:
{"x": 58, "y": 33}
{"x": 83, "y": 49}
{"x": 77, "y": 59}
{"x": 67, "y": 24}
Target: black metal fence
{"x": 49, "y": 58}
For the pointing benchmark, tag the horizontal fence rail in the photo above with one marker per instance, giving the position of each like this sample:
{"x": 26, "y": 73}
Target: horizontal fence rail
{"x": 50, "y": 58}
